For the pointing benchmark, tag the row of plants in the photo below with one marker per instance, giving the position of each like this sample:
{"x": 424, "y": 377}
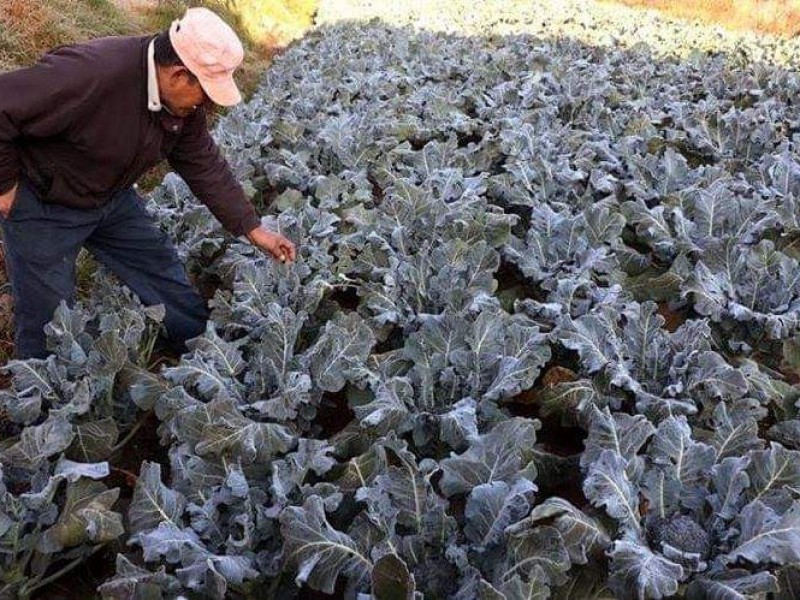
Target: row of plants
{"x": 539, "y": 342}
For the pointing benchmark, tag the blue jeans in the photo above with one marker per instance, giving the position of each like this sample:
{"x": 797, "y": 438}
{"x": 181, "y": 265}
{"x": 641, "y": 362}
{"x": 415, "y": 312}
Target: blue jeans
{"x": 43, "y": 240}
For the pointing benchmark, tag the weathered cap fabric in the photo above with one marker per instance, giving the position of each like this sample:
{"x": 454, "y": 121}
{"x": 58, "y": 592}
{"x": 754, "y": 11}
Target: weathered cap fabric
{"x": 211, "y": 50}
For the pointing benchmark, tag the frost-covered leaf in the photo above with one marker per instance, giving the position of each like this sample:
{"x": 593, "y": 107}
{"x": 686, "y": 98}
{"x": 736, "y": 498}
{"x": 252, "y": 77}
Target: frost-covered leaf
{"x": 732, "y": 585}
{"x": 607, "y": 485}
{"x": 73, "y": 471}
{"x": 219, "y": 428}
{"x": 773, "y": 473}
{"x": 536, "y": 555}
{"x": 620, "y": 433}
{"x": 735, "y": 431}
{"x": 581, "y": 533}
{"x": 638, "y": 573}
{"x": 319, "y": 552}
{"x": 766, "y": 537}
{"x": 475, "y": 587}
{"x": 595, "y": 340}
{"x": 408, "y": 488}
{"x": 281, "y": 328}
{"x": 131, "y": 581}
{"x": 730, "y": 481}
{"x": 391, "y": 579}
{"x": 201, "y": 570}
{"x": 711, "y": 376}
{"x": 86, "y": 517}
{"x": 535, "y": 587}
{"x": 145, "y": 387}
{"x": 153, "y": 502}
{"x": 94, "y": 440}
{"x": 344, "y": 346}
{"x": 757, "y": 285}
{"x": 524, "y": 354}
{"x": 492, "y": 507}
{"x": 40, "y": 442}
{"x": 495, "y": 456}
{"x": 212, "y": 368}
{"x": 689, "y": 462}
{"x": 228, "y": 433}
{"x": 390, "y": 408}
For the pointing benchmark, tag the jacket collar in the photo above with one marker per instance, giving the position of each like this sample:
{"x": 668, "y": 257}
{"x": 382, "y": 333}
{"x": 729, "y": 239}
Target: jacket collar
{"x": 153, "y": 97}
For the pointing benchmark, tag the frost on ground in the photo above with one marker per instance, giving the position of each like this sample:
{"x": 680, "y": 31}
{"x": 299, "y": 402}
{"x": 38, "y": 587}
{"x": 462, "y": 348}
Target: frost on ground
{"x": 588, "y": 21}
{"x": 540, "y": 340}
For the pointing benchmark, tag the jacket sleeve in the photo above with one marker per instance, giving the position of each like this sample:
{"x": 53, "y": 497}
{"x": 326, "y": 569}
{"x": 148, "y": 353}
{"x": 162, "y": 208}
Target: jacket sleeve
{"x": 199, "y": 161}
{"x": 42, "y": 101}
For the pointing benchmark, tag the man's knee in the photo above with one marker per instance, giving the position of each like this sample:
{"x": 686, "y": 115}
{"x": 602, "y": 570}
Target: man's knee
{"x": 30, "y": 345}
{"x": 186, "y": 315}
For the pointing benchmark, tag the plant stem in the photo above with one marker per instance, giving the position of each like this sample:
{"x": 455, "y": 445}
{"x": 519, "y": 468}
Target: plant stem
{"x": 127, "y": 473}
{"x": 25, "y": 592}
{"x": 6, "y": 588}
{"x": 29, "y": 553}
{"x": 130, "y": 434}
{"x": 147, "y": 354}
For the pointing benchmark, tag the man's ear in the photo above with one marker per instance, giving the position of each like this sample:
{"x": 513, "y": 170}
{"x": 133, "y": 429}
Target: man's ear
{"x": 176, "y": 75}
{"x": 181, "y": 75}
{"x": 169, "y": 75}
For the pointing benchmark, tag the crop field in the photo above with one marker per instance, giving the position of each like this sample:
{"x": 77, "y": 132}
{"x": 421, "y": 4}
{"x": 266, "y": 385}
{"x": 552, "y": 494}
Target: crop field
{"x": 542, "y": 339}
{"x": 778, "y": 17}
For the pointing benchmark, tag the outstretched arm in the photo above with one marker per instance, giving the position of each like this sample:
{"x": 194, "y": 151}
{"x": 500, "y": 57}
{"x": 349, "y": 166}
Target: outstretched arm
{"x": 199, "y": 161}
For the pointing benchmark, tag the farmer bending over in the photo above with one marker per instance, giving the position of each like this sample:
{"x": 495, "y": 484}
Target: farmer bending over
{"x": 78, "y": 129}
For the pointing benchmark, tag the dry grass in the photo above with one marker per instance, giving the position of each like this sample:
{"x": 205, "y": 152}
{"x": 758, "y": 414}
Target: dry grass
{"x": 28, "y": 28}
{"x": 269, "y": 22}
{"x": 776, "y": 17}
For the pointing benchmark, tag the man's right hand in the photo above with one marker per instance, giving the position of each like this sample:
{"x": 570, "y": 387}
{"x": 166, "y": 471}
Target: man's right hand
{"x": 274, "y": 244}
{"x": 7, "y": 201}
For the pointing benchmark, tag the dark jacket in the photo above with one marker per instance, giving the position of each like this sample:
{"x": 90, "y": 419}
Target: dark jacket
{"x": 77, "y": 125}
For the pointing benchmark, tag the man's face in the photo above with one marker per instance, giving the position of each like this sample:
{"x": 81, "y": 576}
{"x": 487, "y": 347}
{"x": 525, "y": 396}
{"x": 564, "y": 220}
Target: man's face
{"x": 180, "y": 91}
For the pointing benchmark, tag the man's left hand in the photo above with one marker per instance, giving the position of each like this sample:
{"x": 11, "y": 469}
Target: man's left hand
{"x": 273, "y": 244}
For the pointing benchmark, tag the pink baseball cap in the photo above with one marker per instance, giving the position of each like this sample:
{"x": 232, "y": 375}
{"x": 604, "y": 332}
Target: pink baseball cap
{"x": 211, "y": 50}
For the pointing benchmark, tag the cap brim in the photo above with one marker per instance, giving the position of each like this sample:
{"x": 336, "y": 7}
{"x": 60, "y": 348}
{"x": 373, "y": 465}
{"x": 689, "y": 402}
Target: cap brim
{"x": 222, "y": 91}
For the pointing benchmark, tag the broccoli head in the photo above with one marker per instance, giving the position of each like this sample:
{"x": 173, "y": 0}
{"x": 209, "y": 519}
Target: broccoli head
{"x": 681, "y": 532}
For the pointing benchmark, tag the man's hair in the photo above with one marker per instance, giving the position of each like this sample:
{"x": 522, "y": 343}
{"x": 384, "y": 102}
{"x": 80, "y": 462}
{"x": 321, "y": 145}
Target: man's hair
{"x": 165, "y": 55}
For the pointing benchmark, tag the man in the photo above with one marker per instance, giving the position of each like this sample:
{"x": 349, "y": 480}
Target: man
{"x": 78, "y": 129}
